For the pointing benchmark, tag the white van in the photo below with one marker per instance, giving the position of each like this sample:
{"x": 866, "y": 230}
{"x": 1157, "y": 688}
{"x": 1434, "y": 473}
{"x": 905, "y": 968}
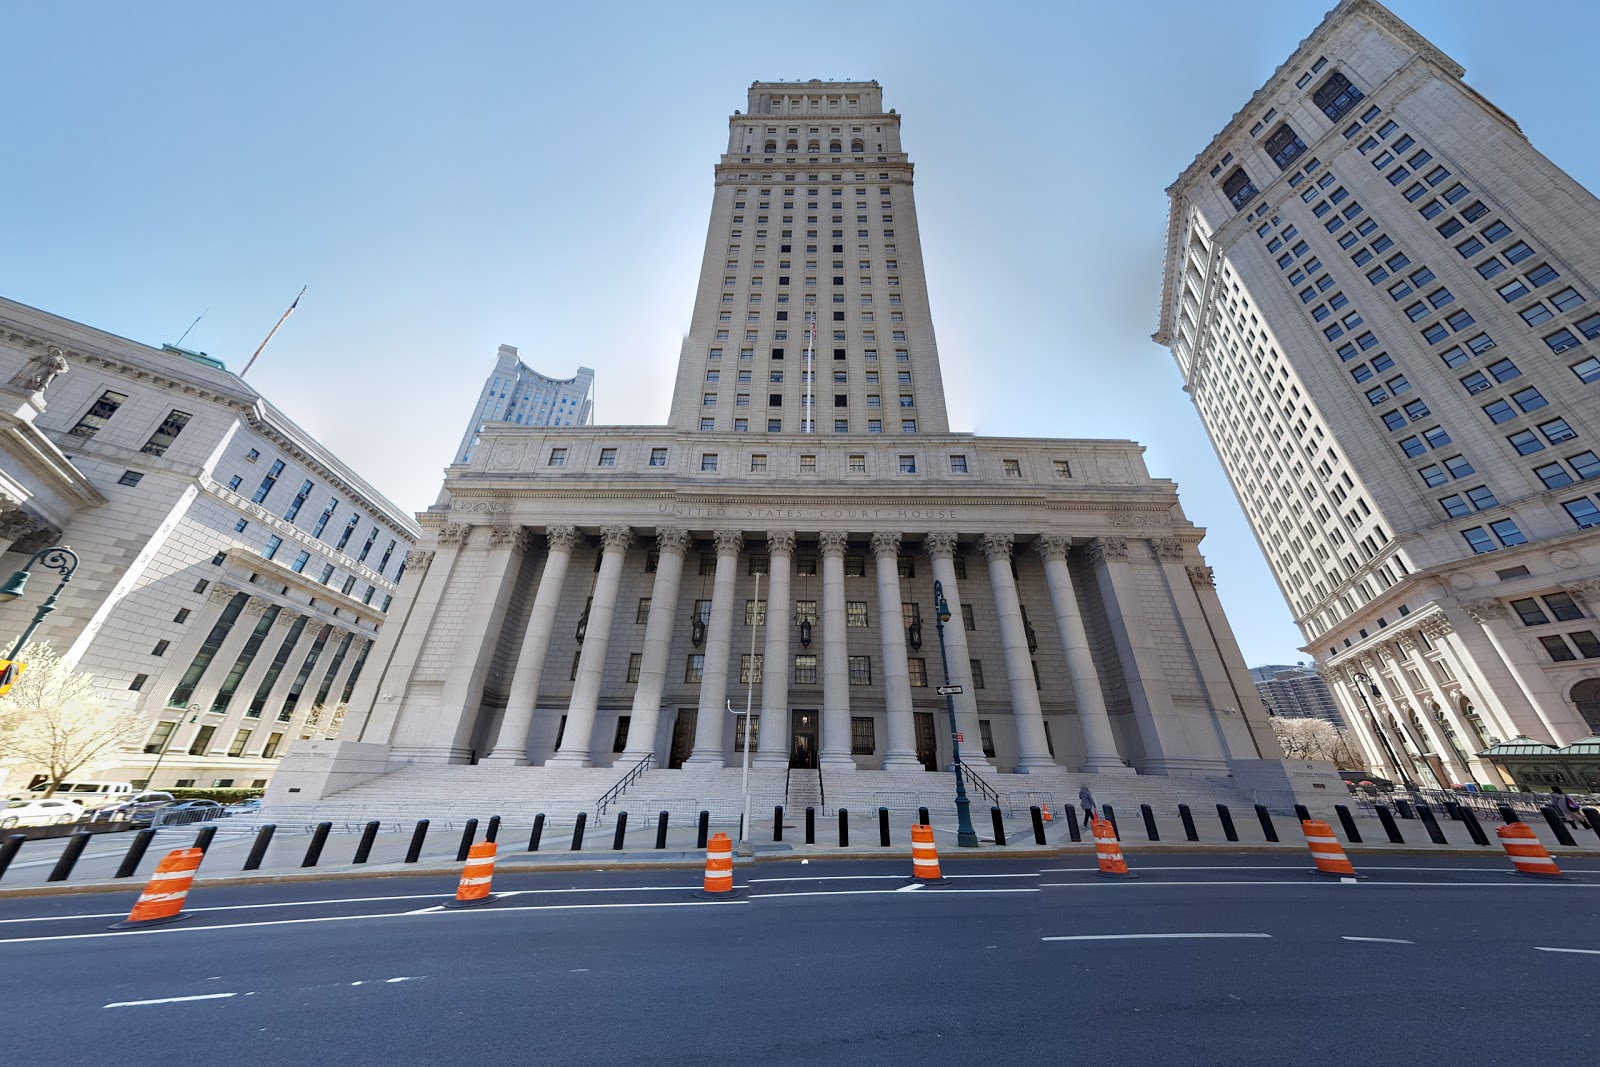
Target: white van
{"x": 90, "y": 794}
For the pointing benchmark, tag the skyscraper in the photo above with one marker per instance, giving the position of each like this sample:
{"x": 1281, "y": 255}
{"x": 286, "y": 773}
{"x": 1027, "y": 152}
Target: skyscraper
{"x": 1295, "y": 691}
{"x": 602, "y": 596}
{"x": 515, "y": 392}
{"x": 1383, "y": 302}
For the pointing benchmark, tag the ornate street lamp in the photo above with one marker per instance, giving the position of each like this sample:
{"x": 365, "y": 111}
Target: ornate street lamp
{"x": 914, "y": 635}
{"x": 57, "y": 558}
{"x": 965, "y": 834}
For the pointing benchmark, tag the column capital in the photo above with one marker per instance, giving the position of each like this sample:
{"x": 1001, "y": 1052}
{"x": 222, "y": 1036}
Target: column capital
{"x": 507, "y": 536}
{"x": 17, "y": 524}
{"x": 940, "y": 544}
{"x": 832, "y": 542}
{"x": 256, "y": 607}
{"x": 1436, "y": 626}
{"x": 1486, "y": 610}
{"x": 451, "y": 533}
{"x": 1108, "y": 550}
{"x": 616, "y": 538}
{"x": 885, "y": 543}
{"x": 221, "y": 594}
{"x": 1584, "y": 592}
{"x": 728, "y": 542}
{"x": 1202, "y": 576}
{"x": 418, "y": 557}
{"x": 1052, "y": 546}
{"x": 672, "y": 540}
{"x": 1167, "y": 549}
{"x": 1406, "y": 642}
{"x": 996, "y": 546}
{"x": 562, "y": 538}
{"x": 780, "y": 542}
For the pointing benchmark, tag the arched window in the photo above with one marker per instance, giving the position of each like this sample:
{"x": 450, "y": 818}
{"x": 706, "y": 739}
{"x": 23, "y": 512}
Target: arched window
{"x": 1238, "y": 188}
{"x": 835, "y": 146}
{"x": 792, "y": 147}
{"x": 1586, "y": 694}
{"x": 772, "y": 147}
{"x": 1336, "y": 96}
{"x": 857, "y": 145}
{"x": 813, "y": 146}
{"x": 1284, "y": 146}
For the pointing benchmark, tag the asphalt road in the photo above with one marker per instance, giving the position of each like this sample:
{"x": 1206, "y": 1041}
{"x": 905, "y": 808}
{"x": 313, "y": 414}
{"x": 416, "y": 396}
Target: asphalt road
{"x": 1427, "y": 960}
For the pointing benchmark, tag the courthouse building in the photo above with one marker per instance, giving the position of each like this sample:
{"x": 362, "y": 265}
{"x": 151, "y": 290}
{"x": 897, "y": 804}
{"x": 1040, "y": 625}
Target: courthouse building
{"x": 233, "y": 572}
{"x": 595, "y": 596}
{"x": 1386, "y": 306}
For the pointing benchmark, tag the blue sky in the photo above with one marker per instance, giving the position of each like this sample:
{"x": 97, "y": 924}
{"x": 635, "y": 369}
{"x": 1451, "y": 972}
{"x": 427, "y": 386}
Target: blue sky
{"x": 450, "y": 177}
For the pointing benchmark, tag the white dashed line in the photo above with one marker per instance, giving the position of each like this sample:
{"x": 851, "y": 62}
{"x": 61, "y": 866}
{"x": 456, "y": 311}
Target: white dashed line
{"x": 1578, "y": 951}
{"x": 170, "y": 1000}
{"x": 1142, "y": 937}
{"x": 1379, "y": 940}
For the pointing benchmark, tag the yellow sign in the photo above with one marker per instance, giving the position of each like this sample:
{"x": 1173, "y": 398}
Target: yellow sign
{"x": 9, "y": 669}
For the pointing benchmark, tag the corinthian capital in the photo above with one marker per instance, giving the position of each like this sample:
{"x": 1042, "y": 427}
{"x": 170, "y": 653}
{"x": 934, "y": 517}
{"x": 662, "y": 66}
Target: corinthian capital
{"x": 1202, "y": 576}
{"x": 1108, "y": 550}
{"x": 832, "y": 542}
{"x": 562, "y": 538}
{"x": 418, "y": 557}
{"x": 452, "y": 534}
{"x": 1052, "y": 546}
{"x": 616, "y": 538}
{"x": 780, "y": 542}
{"x": 672, "y": 540}
{"x": 729, "y": 542}
{"x": 996, "y": 546}
{"x": 1167, "y": 549}
{"x": 940, "y": 545}
{"x": 885, "y": 543}
{"x": 1487, "y": 610}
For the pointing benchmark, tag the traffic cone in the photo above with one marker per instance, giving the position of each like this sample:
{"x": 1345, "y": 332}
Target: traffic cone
{"x": 476, "y": 878}
{"x": 163, "y": 896}
{"x": 1527, "y": 854}
{"x": 1046, "y": 809}
{"x": 719, "y": 866}
{"x": 924, "y": 855}
{"x": 1109, "y": 852}
{"x": 1326, "y": 850}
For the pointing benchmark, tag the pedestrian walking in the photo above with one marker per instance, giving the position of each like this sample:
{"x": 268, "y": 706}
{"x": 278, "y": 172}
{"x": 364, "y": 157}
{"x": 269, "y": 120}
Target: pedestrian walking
{"x": 1086, "y": 799}
{"x": 1565, "y": 806}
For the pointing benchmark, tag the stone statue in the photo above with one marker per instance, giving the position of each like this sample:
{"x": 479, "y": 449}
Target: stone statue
{"x": 44, "y": 368}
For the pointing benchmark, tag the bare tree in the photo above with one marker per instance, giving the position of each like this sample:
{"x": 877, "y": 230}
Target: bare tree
{"x": 1314, "y": 739}
{"x": 56, "y": 720}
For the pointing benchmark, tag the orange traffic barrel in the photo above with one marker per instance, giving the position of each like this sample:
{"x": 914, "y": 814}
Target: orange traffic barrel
{"x": 924, "y": 855}
{"x": 163, "y": 896}
{"x": 476, "y": 877}
{"x": 1326, "y": 850}
{"x": 1109, "y": 852}
{"x": 1527, "y": 854}
{"x": 719, "y": 865}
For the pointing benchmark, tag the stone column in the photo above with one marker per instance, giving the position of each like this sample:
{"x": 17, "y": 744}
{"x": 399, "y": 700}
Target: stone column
{"x": 712, "y": 718}
{"x": 1396, "y": 697}
{"x": 1263, "y": 742}
{"x": 576, "y": 743}
{"x": 671, "y": 543}
{"x": 16, "y": 524}
{"x": 182, "y": 653}
{"x": 1033, "y": 750}
{"x": 1099, "y": 740}
{"x": 941, "y": 549}
{"x": 835, "y": 745}
{"x": 1454, "y": 766}
{"x": 902, "y": 752}
{"x": 1558, "y": 721}
{"x": 1141, "y": 665}
{"x": 1439, "y": 630}
{"x": 511, "y": 741}
{"x": 1359, "y": 722}
{"x": 383, "y": 680}
{"x": 773, "y": 750}
{"x": 205, "y": 692}
{"x": 1478, "y": 770}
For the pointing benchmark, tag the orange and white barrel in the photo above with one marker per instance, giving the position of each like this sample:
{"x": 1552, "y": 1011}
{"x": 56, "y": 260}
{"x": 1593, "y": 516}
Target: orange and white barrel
{"x": 1325, "y": 849}
{"x": 719, "y": 865}
{"x": 924, "y": 854}
{"x": 1528, "y": 854}
{"x": 476, "y": 877}
{"x": 163, "y": 896}
{"x": 1109, "y": 851}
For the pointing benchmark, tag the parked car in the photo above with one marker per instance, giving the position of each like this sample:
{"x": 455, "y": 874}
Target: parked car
{"x": 249, "y": 806}
{"x": 92, "y": 794}
{"x": 140, "y": 804}
{"x": 183, "y": 813}
{"x": 40, "y": 813}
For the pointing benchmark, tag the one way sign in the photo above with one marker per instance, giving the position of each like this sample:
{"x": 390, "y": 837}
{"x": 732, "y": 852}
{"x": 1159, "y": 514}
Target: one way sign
{"x": 950, "y": 690}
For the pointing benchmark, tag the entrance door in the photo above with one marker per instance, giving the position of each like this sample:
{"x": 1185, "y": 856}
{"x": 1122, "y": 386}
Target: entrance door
{"x": 803, "y": 739}
{"x": 682, "y": 737}
{"x": 927, "y": 747}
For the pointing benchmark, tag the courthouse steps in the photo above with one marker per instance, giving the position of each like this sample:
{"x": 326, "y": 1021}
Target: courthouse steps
{"x": 456, "y": 792}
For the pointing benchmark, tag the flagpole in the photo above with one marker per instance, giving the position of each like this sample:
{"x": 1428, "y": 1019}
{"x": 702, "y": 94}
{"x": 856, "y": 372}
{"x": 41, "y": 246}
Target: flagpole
{"x": 274, "y": 331}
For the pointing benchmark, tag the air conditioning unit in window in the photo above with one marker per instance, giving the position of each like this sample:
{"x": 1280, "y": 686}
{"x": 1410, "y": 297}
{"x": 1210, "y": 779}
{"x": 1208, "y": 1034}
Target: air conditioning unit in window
{"x": 1563, "y": 346}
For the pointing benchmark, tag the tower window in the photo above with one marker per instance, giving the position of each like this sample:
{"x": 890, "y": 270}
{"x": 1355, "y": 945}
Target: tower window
{"x": 1336, "y": 96}
{"x": 1238, "y": 188}
{"x": 1284, "y": 146}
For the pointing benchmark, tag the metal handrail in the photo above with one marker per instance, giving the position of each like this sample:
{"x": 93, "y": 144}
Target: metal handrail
{"x": 984, "y": 788}
{"x": 822, "y": 789}
{"x": 621, "y": 787}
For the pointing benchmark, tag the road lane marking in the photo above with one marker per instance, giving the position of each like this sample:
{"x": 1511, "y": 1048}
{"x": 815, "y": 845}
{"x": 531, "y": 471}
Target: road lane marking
{"x": 1299, "y": 867}
{"x": 1379, "y": 940}
{"x": 170, "y": 1000}
{"x": 1310, "y": 882}
{"x": 1579, "y": 951}
{"x": 886, "y": 892}
{"x": 836, "y": 878}
{"x": 1141, "y": 937}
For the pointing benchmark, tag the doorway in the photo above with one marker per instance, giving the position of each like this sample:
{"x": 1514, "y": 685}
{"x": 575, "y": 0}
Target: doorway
{"x": 803, "y": 739}
{"x": 682, "y": 737}
{"x": 927, "y": 746}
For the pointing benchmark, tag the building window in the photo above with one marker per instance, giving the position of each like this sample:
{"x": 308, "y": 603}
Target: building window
{"x": 708, "y": 461}
{"x": 805, "y": 667}
{"x": 130, "y": 478}
{"x": 694, "y": 670}
{"x": 166, "y": 433}
{"x": 1013, "y": 468}
{"x": 1238, "y": 189}
{"x": 608, "y": 457}
{"x": 1063, "y": 468}
{"x": 958, "y": 464}
{"x": 976, "y": 666}
{"x": 270, "y": 549}
{"x": 860, "y": 670}
{"x": 1284, "y": 146}
{"x": 967, "y": 618}
{"x": 863, "y": 736}
{"x": 752, "y": 722}
{"x": 986, "y": 736}
{"x": 161, "y": 648}
{"x": 658, "y": 457}
{"x": 97, "y": 415}
{"x": 755, "y": 612}
{"x": 919, "y": 672}
{"x": 908, "y": 464}
{"x": 558, "y": 457}
{"x": 858, "y": 464}
{"x": 855, "y": 567}
{"x": 750, "y": 669}
{"x": 808, "y": 464}
{"x": 855, "y": 613}
{"x": 300, "y": 562}
{"x": 635, "y": 664}
{"x": 642, "y": 615}
{"x": 1336, "y": 96}
{"x": 758, "y": 461}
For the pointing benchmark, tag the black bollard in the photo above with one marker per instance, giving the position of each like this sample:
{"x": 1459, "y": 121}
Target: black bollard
{"x": 1038, "y": 824}
{"x": 469, "y": 833}
{"x": 1189, "y": 831}
{"x": 1302, "y": 813}
{"x": 661, "y": 830}
{"x": 1266, "y": 822}
{"x": 492, "y": 833}
{"x": 414, "y": 851}
{"x": 621, "y": 831}
{"x": 8, "y": 851}
{"x": 997, "y": 817}
{"x": 922, "y": 817}
{"x": 1425, "y": 813}
{"x": 75, "y": 846}
{"x": 1403, "y": 808}
{"x": 319, "y": 837}
{"x": 1228, "y": 830}
{"x": 577, "y": 831}
{"x": 1072, "y": 825}
{"x": 777, "y": 822}
{"x": 1558, "y": 825}
{"x": 202, "y": 840}
{"x": 1348, "y": 821}
{"x": 1470, "y": 817}
{"x": 844, "y": 828}
{"x": 369, "y": 834}
{"x": 811, "y": 826}
{"x": 705, "y": 830}
{"x": 1390, "y": 827}
{"x": 883, "y": 827}
{"x": 1452, "y": 809}
{"x": 258, "y": 850}
{"x": 1111, "y": 817}
{"x": 130, "y": 862}
{"x": 1507, "y": 815}
{"x": 536, "y": 833}
{"x": 1149, "y": 822}
{"x": 1592, "y": 817}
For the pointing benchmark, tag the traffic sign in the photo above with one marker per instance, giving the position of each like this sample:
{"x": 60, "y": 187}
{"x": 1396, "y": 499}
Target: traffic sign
{"x": 950, "y": 690}
{"x": 961, "y": 739}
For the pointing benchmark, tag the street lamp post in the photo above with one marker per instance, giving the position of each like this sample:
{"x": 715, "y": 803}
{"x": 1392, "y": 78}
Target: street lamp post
{"x": 965, "y": 835}
{"x": 1383, "y": 738}
{"x": 56, "y": 558}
